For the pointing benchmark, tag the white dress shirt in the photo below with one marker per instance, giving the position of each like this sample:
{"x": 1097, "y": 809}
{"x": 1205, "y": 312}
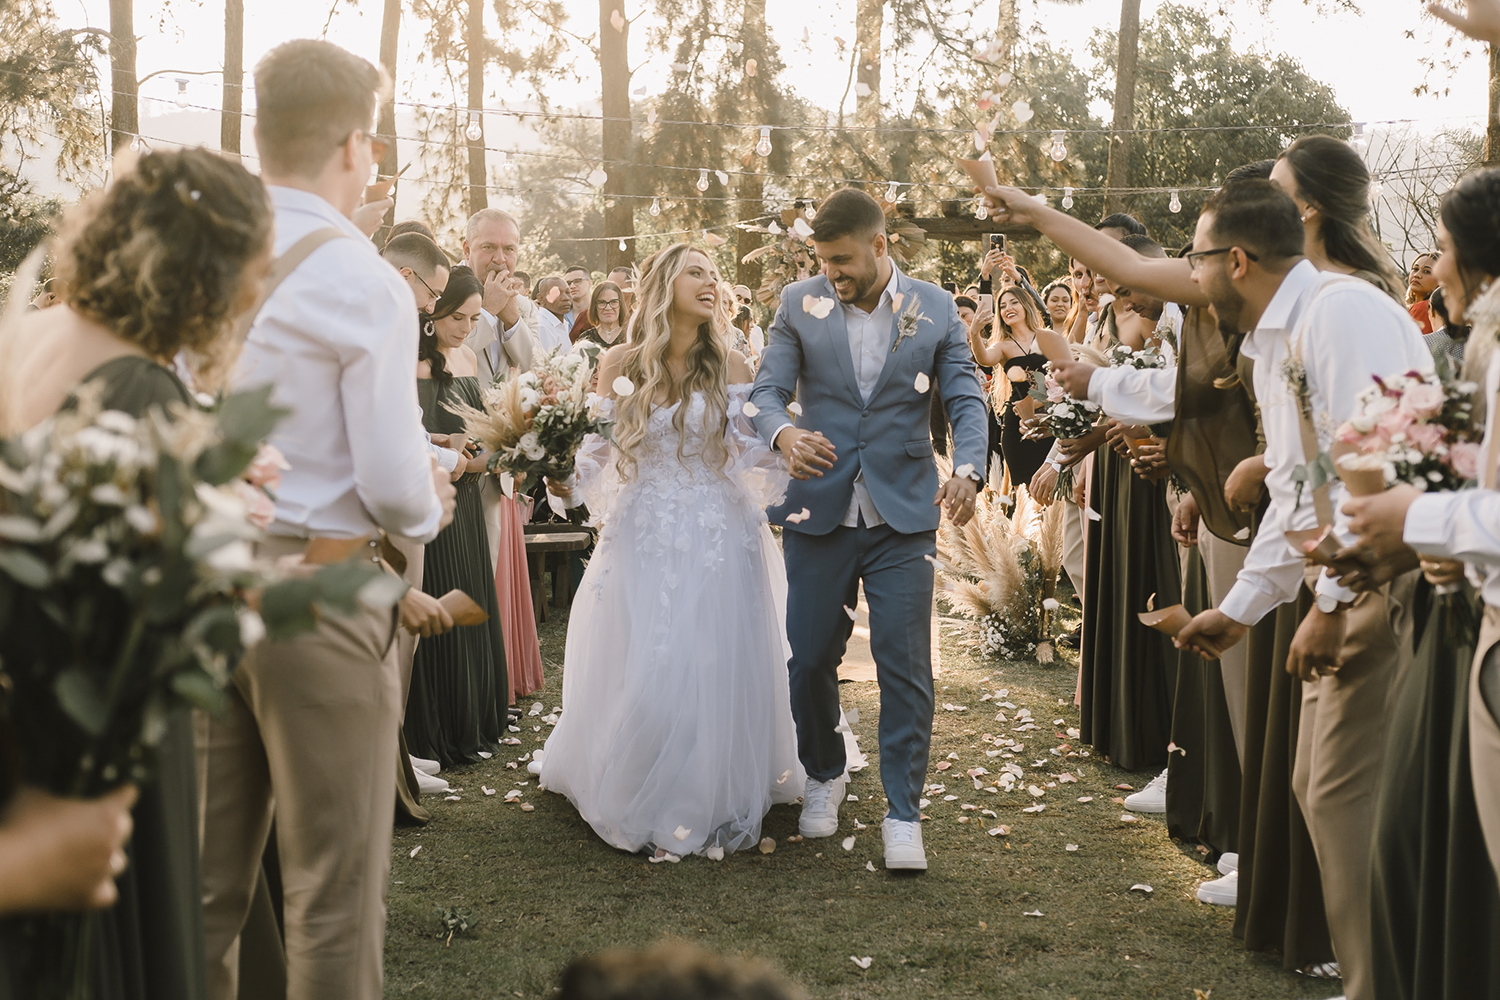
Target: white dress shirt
{"x": 1350, "y": 333}
{"x": 551, "y": 333}
{"x": 1138, "y": 396}
{"x": 338, "y": 341}
{"x": 1465, "y": 525}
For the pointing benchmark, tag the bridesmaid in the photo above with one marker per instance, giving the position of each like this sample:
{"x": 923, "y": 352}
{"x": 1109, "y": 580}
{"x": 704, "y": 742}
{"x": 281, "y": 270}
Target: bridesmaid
{"x": 456, "y": 711}
{"x": 157, "y": 268}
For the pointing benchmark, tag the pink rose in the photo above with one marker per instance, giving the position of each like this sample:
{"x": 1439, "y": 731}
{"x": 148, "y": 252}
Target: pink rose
{"x": 1348, "y": 435}
{"x": 1395, "y": 422}
{"x": 1464, "y": 458}
{"x": 1055, "y": 392}
{"x": 259, "y": 510}
{"x": 1423, "y": 401}
{"x": 267, "y": 468}
{"x": 1426, "y": 437}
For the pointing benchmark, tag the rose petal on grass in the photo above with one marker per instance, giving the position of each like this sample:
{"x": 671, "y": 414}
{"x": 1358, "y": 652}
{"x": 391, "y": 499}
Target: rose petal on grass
{"x": 1127, "y": 818}
{"x": 1032, "y": 913}
{"x": 922, "y": 382}
{"x": 1142, "y": 888}
{"x": 1036, "y": 808}
{"x": 527, "y": 807}
{"x": 767, "y": 845}
{"x": 943, "y": 765}
{"x": 1070, "y": 847}
{"x": 848, "y": 843}
{"x": 863, "y": 963}
{"x": 414, "y": 851}
{"x": 714, "y": 853}
{"x": 999, "y": 831}
{"x": 858, "y": 825}
{"x": 486, "y": 790}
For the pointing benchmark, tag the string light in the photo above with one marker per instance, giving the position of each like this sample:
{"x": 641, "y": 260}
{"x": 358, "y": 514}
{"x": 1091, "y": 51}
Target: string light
{"x": 182, "y": 94}
{"x": 981, "y": 211}
{"x": 1359, "y": 140}
{"x": 890, "y": 192}
{"x": 655, "y": 207}
{"x": 1059, "y": 146}
{"x": 702, "y": 184}
{"x": 1175, "y": 205}
{"x": 622, "y": 244}
{"x": 475, "y": 131}
{"x": 764, "y": 146}
{"x": 1067, "y": 201}
{"x": 1376, "y": 187}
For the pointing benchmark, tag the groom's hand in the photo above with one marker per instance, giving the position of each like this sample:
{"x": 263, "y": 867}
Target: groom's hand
{"x": 807, "y": 453}
{"x": 957, "y": 497}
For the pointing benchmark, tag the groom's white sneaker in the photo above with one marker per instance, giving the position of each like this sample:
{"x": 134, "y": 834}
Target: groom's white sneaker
{"x": 820, "y": 808}
{"x": 903, "y": 845}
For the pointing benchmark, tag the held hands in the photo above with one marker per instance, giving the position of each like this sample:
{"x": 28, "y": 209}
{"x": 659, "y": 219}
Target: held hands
{"x": 1210, "y": 634}
{"x": 1074, "y": 376}
{"x": 423, "y": 615}
{"x": 956, "y": 496}
{"x": 807, "y": 453}
{"x": 1150, "y": 461}
{"x": 1071, "y": 452}
{"x": 63, "y": 854}
{"x": 1185, "y": 522}
{"x": 1315, "y": 648}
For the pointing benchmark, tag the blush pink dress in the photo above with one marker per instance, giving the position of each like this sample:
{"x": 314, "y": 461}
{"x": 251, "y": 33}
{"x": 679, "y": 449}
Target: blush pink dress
{"x": 523, "y": 652}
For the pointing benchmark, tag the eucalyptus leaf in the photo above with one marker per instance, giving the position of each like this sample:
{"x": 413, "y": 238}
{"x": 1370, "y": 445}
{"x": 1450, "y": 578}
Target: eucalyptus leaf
{"x": 25, "y": 568}
{"x": 289, "y": 608}
{"x": 199, "y": 690}
{"x": 339, "y": 584}
{"x": 20, "y": 529}
{"x": 81, "y": 698}
{"x": 383, "y": 592}
{"x": 217, "y": 627}
{"x": 248, "y": 418}
{"x": 224, "y": 462}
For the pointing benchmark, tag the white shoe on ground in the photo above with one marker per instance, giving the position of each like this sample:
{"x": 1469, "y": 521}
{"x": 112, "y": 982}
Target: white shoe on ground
{"x": 820, "y": 807}
{"x": 430, "y": 785}
{"x": 1229, "y": 862}
{"x": 1152, "y": 798}
{"x": 903, "y": 845}
{"x": 424, "y": 765}
{"x": 534, "y": 765}
{"x": 1221, "y": 891}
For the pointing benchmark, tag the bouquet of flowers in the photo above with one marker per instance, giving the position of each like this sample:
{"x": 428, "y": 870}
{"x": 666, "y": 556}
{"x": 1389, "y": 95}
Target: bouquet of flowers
{"x": 534, "y": 422}
{"x": 1063, "y": 416}
{"x": 127, "y": 582}
{"x": 1413, "y": 428}
{"x": 1121, "y": 356}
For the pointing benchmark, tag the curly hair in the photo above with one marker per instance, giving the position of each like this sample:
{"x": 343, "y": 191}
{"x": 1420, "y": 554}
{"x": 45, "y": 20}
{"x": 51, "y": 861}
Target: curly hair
{"x": 160, "y": 256}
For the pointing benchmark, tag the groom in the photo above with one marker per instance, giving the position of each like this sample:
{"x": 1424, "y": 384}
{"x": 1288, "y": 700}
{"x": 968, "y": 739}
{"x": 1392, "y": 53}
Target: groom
{"x": 862, "y": 347}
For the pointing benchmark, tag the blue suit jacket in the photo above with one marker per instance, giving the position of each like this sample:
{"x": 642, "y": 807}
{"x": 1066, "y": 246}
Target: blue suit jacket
{"x": 886, "y": 436}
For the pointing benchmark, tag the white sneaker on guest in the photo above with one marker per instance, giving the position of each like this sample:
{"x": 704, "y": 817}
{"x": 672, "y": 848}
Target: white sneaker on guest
{"x": 903, "y": 845}
{"x": 1152, "y": 798}
{"x": 1221, "y": 891}
{"x": 820, "y": 807}
{"x": 424, "y": 765}
{"x": 430, "y": 785}
{"x": 1228, "y": 862}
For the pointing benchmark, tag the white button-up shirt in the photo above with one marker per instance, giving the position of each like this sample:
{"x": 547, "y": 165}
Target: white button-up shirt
{"x": 1353, "y": 332}
{"x": 338, "y": 341}
{"x": 1465, "y": 525}
{"x": 1140, "y": 396}
{"x": 869, "y": 346}
{"x": 551, "y": 333}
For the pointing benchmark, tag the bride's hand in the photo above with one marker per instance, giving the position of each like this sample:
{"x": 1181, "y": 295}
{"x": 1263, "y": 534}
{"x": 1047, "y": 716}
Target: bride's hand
{"x": 807, "y": 453}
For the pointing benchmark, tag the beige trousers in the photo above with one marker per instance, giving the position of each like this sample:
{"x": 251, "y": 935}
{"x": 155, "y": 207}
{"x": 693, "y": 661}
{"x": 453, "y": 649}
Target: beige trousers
{"x": 311, "y": 727}
{"x": 1484, "y": 742}
{"x": 1221, "y": 564}
{"x": 1075, "y": 555}
{"x": 408, "y": 792}
{"x": 1340, "y": 747}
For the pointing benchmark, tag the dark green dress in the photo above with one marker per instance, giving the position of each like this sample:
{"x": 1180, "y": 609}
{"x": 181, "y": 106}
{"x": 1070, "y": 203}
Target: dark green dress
{"x": 456, "y": 709}
{"x": 1128, "y": 669}
{"x": 1203, "y": 787}
{"x": 1434, "y": 902}
{"x": 149, "y": 945}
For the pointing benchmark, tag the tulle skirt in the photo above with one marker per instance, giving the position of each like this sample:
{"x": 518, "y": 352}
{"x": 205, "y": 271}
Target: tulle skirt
{"x": 676, "y": 730}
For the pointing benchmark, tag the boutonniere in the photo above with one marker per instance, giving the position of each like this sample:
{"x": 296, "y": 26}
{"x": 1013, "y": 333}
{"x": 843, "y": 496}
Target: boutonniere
{"x": 906, "y": 322}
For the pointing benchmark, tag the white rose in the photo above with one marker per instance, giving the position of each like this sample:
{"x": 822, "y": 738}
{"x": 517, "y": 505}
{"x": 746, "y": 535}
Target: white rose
{"x": 531, "y": 445}
{"x": 233, "y": 557}
{"x": 252, "y": 628}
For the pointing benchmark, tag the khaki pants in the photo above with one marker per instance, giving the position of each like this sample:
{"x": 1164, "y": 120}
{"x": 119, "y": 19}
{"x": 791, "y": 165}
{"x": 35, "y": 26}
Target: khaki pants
{"x": 1340, "y": 747}
{"x": 311, "y": 727}
{"x": 1484, "y": 741}
{"x": 1221, "y": 564}
{"x": 1075, "y": 556}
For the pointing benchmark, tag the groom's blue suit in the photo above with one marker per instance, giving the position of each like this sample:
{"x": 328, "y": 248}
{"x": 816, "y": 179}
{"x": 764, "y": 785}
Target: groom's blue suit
{"x": 882, "y": 433}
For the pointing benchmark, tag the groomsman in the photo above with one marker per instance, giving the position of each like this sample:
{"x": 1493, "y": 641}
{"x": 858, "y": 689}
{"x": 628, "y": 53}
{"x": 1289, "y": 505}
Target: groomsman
{"x": 310, "y": 731}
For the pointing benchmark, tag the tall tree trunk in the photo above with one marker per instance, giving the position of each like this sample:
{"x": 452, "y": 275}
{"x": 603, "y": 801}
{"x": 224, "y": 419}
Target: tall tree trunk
{"x": 750, "y": 187}
{"x": 1117, "y": 175}
{"x": 1492, "y": 129}
{"x": 1008, "y": 34}
{"x": 124, "y": 113}
{"x": 474, "y": 42}
{"x": 390, "y": 31}
{"x": 614, "y": 78}
{"x": 867, "y": 23}
{"x": 234, "y": 76}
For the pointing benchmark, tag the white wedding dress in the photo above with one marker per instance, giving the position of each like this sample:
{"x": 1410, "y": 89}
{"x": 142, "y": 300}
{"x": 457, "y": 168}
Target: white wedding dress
{"x": 676, "y": 731}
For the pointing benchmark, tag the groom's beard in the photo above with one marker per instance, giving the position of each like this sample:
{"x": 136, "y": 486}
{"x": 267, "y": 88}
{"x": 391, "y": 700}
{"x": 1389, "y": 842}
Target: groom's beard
{"x": 860, "y": 287}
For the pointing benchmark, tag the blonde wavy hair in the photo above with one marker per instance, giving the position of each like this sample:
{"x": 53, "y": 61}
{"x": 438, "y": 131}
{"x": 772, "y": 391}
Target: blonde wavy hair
{"x": 645, "y": 363}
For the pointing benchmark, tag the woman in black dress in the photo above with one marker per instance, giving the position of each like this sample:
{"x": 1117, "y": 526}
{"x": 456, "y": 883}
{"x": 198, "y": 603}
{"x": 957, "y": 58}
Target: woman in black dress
{"x": 455, "y": 713}
{"x": 157, "y": 268}
{"x": 1021, "y": 345}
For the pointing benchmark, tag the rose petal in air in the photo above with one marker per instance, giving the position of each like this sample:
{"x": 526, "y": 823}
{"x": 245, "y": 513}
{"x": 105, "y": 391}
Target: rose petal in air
{"x": 922, "y": 382}
{"x": 862, "y": 89}
{"x": 800, "y": 516}
{"x": 553, "y": 293}
{"x": 623, "y": 386}
{"x": 617, "y": 20}
{"x": 596, "y": 179}
{"x": 722, "y": 176}
{"x": 794, "y": 408}
{"x": 682, "y": 833}
{"x": 750, "y": 409}
{"x": 818, "y": 306}
{"x": 964, "y": 471}
{"x": 784, "y": 775}
{"x": 896, "y": 301}
{"x": 801, "y": 228}
{"x": 714, "y": 854}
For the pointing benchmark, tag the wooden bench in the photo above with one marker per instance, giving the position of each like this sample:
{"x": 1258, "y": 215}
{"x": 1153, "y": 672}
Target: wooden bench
{"x": 551, "y": 546}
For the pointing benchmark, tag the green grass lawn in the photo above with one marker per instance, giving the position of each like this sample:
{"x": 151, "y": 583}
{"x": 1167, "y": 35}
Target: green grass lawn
{"x": 542, "y": 888}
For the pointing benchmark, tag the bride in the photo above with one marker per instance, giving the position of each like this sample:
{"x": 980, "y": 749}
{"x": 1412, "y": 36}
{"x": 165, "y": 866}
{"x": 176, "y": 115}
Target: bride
{"x": 676, "y": 734}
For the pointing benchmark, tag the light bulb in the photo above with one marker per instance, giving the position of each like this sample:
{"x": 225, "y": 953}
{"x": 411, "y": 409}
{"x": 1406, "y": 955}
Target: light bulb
{"x": 702, "y": 184}
{"x": 474, "y": 131}
{"x": 890, "y": 192}
{"x": 1067, "y": 201}
{"x": 182, "y": 94}
{"x": 981, "y": 212}
{"x": 135, "y": 143}
{"x": 1059, "y": 147}
{"x": 622, "y": 245}
{"x": 764, "y": 146}
{"x": 655, "y": 207}
{"x": 1376, "y": 187}
{"x": 1359, "y": 140}
{"x": 1175, "y": 205}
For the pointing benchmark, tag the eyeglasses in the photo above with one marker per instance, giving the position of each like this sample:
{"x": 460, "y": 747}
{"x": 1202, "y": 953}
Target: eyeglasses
{"x": 609, "y": 303}
{"x": 425, "y": 285}
{"x": 1195, "y": 259}
{"x": 378, "y": 146}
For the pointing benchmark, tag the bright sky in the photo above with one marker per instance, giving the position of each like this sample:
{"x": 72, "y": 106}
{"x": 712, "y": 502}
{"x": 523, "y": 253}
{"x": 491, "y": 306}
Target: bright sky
{"x": 1367, "y": 59}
